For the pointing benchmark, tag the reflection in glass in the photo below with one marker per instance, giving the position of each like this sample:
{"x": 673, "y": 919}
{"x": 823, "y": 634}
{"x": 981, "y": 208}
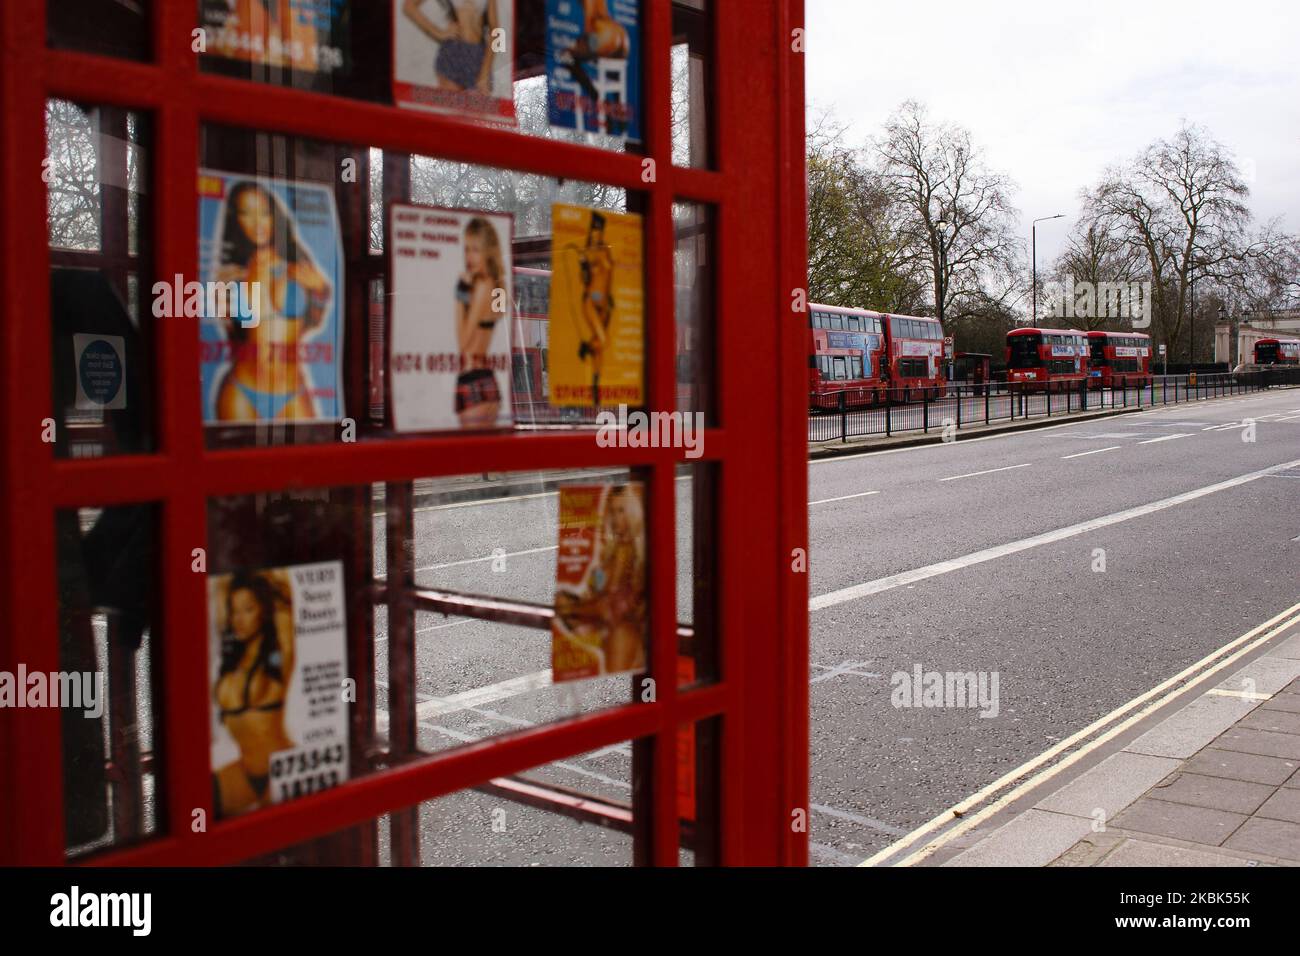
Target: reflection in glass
{"x": 100, "y": 348}
{"x": 106, "y": 559}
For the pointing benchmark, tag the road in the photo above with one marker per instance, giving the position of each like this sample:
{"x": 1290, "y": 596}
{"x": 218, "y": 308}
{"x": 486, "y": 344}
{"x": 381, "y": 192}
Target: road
{"x": 971, "y": 566}
{"x": 958, "y": 558}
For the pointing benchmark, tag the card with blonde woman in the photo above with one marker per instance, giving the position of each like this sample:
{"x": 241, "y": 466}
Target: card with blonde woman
{"x": 600, "y": 582}
{"x": 449, "y": 361}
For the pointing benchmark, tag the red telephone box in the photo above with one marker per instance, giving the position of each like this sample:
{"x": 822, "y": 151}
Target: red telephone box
{"x": 118, "y": 517}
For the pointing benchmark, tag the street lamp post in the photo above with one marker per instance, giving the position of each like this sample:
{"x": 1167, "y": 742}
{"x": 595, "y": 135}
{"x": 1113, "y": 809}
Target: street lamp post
{"x": 1033, "y": 229}
{"x": 943, "y": 278}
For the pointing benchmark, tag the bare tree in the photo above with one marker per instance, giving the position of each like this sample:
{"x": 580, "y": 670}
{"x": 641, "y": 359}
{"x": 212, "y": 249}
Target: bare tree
{"x": 1180, "y": 206}
{"x": 858, "y": 253}
{"x": 958, "y": 214}
{"x": 72, "y": 176}
{"x": 1095, "y": 255}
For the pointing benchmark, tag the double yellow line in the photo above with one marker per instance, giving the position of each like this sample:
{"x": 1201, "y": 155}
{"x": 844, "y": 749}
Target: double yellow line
{"x": 1151, "y": 701}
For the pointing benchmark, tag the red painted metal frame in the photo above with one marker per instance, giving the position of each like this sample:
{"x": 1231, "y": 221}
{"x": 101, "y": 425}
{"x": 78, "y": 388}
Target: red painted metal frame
{"x": 757, "y": 191}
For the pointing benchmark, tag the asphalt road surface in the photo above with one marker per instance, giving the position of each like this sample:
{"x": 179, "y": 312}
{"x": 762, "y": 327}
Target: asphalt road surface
{"x": 963, "y": 573}
{"x": 957, "y": 558}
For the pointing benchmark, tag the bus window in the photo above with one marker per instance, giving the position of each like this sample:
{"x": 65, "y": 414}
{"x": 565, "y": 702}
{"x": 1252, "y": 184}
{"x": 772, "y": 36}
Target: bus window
{"x": 856, "y": 362}
{"x": 840, "y": 371}
{"x": 855, "y": 325}
{"x": 1024, "y": 351}
{"x": 837, "y": 322}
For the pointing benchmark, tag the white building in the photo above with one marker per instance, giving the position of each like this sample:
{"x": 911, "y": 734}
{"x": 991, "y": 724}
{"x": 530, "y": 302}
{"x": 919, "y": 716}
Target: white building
{"x": 1252, "y": 327}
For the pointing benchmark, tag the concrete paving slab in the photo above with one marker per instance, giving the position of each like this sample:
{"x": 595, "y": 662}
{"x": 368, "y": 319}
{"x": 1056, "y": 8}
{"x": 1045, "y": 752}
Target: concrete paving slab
{"x": 1034, "y": 838}
{"x": 1266, "y": 675}
{"x": 1283, "y": 805}
{"x": 1273, "y": 837}
{"x": 1111, "y": 785}
{"x": 1287, "y": 702}
{"x": 1241, "y": 766}
{"x": 1216, "y": 793}
{"x": 1261, "y": 742}
{"x": 1192, "y": 728}
{"x": 1290, "y": 648}
{"x": 1133, "y": 852}
{"x": 1277, "y": 721}
{"x": 1194, "y": 824}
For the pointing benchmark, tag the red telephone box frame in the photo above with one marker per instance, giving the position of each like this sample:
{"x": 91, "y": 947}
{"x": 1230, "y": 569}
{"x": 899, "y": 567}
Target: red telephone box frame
{"x": 756, "y": 190}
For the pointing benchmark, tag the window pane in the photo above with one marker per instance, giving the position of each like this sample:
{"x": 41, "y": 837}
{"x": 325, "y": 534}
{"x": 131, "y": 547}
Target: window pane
{"x": 107, "y": 27}
{"x": 102, "y": 329}
{"x": 692, "y": 42}
{"x": 693, "y": 302}
{"x": 696, "y": 495}
{"x": 107, "y": 560}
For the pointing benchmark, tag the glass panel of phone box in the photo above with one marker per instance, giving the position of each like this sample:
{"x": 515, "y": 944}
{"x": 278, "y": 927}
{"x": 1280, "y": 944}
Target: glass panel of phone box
{"x": 348, "y": 295}
{"x": 584, "y": 810}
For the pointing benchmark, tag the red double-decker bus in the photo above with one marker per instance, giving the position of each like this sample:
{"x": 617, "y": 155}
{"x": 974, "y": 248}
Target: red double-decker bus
{"x": 1118, "y": 359}
{"x": 1277, "y": 352}
{"x": 846, "y": 356}
{"x": 915, "y": 367}
{"x": 1041, "y": 359}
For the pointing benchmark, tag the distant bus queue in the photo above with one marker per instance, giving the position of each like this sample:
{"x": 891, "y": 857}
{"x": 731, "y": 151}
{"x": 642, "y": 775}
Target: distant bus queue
{"x": 859, "y": 357}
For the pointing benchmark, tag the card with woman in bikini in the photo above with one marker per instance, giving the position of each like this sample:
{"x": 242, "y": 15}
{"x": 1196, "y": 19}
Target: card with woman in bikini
{"x": 450, "y": 314}
{"x": 278, "y": 670}
{"x": 271, "y": 258}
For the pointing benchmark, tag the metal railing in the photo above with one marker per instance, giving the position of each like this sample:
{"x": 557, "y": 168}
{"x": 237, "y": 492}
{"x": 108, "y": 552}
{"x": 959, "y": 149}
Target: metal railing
{"x": 840, "y": 416}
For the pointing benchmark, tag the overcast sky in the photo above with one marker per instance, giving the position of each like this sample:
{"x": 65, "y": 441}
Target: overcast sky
{"x": 1053, "y": 95}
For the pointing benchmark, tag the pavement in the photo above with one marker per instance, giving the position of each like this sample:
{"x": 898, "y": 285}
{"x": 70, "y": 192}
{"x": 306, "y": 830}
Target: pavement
{"x": 1214, "y": 783}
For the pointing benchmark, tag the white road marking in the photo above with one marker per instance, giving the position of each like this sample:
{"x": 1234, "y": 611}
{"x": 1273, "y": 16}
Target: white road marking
{"x": 962, "y": 810}
{"x": 435, "y": 627}
{"x": 476, "y": 697}
{"x": 861, "y": 494}
{"x": 852, "y": 593}
{"x": 464, "y": 738}
{"x": 1107, "y": 436}
{"x": 841, "y": 669}
{"x": 1176, "y": 435}
{"x": 856, "y": 818}
{"x": 1095, "y": 451}
{"x": 490, "y": 557}
{"x": 976, "y": 474}
{"x": 496, "y": 501}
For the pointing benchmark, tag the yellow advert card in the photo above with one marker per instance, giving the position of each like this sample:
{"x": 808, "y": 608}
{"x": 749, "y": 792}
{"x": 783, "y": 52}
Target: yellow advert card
{"x": 597, "y": 312}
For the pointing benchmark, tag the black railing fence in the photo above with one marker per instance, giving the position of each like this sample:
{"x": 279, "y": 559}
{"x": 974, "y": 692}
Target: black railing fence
{"x": 839, "y": 416}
